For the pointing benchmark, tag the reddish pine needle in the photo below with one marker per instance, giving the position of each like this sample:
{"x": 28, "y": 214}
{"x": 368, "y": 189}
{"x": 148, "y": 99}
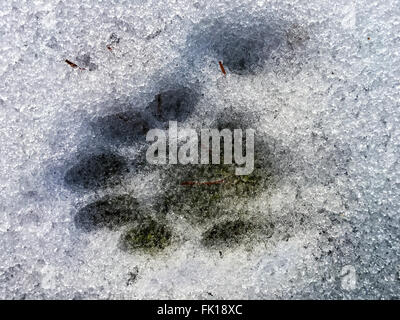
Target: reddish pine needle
{"x": 188, "y": 183}
{"x": 74, "y": 65}
{"x": 222, "y": 68}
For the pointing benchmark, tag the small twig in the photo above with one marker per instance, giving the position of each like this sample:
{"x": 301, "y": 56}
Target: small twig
{"x": 222, "y": 68}
{"x": 74, "y": 65}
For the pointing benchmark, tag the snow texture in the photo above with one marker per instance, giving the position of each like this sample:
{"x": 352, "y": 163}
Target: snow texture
{"x": 319, "y": 82}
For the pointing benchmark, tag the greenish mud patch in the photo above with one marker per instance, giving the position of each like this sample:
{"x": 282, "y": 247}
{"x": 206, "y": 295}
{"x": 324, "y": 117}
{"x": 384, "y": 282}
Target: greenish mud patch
{"x": 149, "y": 235}
{"x": 231, "y": 233}
{"x": 201, "y": 193}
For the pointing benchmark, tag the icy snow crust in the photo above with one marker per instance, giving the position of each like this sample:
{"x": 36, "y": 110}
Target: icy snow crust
{"x": 317, "y": 80}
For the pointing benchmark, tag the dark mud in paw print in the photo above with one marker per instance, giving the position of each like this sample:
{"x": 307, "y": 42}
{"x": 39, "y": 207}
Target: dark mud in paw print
{"x": 149, "y": 235}
{"x": 242, "y": 48}
{"x": 113, "y": 212}
{"x": 123, "y": 128}
{"x": 96, "y": 170}
{"x": 108, "y": 212}
{"x": 173, "y": 105}
{"x": 242, "y": 55}
{"x": 130, "y": 127}
{"x": 231, "y": 233}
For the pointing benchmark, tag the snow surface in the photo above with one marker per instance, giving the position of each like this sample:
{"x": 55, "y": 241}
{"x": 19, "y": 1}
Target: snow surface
{"x": 321, "y": 80}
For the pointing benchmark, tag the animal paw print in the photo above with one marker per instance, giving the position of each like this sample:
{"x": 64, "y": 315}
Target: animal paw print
{"x": 210, "y": 197}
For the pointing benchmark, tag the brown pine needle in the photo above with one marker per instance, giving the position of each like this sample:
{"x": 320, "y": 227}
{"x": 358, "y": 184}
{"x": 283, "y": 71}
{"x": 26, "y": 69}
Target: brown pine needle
{"x": 74, "y": 65}
{"x": 222, "y": 68}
